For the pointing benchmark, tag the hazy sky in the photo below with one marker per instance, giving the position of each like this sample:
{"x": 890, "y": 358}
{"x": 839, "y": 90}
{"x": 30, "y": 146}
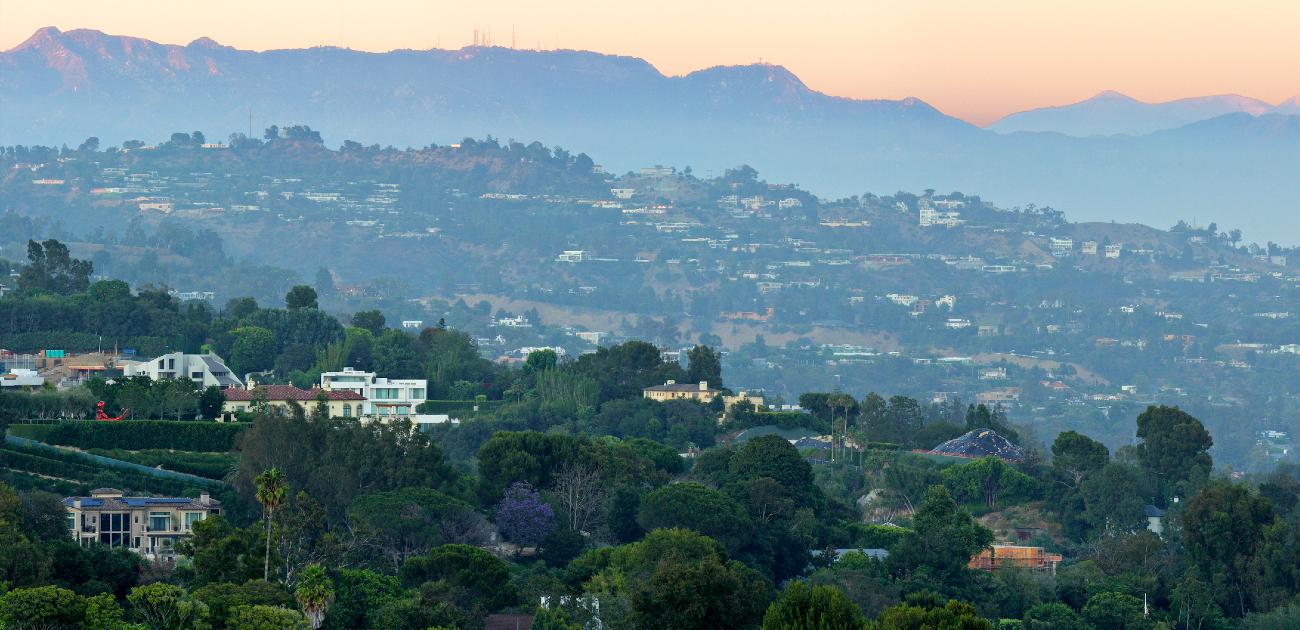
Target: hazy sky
{"x": 978, "y": 60}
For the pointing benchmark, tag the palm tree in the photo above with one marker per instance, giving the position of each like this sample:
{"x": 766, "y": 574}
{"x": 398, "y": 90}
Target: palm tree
{"x": 315, "y": 593}
{"x": 271, "y": 490}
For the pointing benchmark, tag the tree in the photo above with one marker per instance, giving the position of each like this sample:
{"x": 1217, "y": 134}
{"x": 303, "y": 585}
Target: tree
{"x": 315, "y": 593}
{"x": 522, "y": 516}
{"x": 266, "y": 618}
{"x": 1174, "y": 449}
{"x": 409, "y": 522}
{"x": 52, "y": 268}
{"x": 253, "y": 349}
{"x": 1076, "y": 455}
{"x": 1224, "y": 526}
{"x": 704, "y": 364}
{"x": 1116, "y": 610}
{"x": 483, "y": 577}
{"x": 540, "y": 360}
{"x": 1051, "y": 616}
{"x": 773, "y": 457}
{"x": 166, "y": 607}
{"x": 358, "y": 595}
{"x": 41, "y": 607}
{"x": 224, "y": 598}
{"x": 693, "y": 506}
{"x": 952, "y": 615}
{"x": 372, "y": 321}
{"x": 211, "y": 401}
{"x": 579, "y": 491}
{"x": 987, "y": 478}
{"x": 804, "y": 607}
{"x": 1113, "y": 499}
{"x": 301, "y": 296}
{"x": 707, "y": 594}
{"x": 272, "y": 488}
{"x": 943, "y": 540}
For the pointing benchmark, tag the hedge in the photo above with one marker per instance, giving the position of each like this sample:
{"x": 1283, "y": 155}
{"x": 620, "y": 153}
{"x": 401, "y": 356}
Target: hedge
{"x": 210, "y": 465}
{"x": 139, "y": 435}
{"x": 456, "y": 406}
{"x": 73, "y": 467}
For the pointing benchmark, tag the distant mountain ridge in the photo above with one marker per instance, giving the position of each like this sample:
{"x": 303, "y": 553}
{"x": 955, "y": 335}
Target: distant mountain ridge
{"x": 1111, "y": 113}
{"x": 61, "y": 87}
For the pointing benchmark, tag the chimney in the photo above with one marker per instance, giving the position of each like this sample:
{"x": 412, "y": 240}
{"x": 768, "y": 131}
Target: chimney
{"x": 671, "y": 382}
{"x": 76, "y": 503}
{"x": 704, "y": 386}
{"x": 205, "y": 498}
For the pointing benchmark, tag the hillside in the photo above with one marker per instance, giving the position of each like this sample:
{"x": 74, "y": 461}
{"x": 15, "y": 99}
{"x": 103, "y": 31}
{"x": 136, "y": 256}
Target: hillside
{"x": 61, "y": 87}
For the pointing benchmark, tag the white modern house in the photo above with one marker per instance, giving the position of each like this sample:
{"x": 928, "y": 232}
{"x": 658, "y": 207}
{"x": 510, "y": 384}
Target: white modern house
{"x": 385, "y": 398}
{"x": 203, "y": 369}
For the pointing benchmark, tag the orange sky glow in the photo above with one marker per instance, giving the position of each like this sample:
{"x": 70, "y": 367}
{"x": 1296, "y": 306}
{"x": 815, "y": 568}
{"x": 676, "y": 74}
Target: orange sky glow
{"x": 975, "y": 60}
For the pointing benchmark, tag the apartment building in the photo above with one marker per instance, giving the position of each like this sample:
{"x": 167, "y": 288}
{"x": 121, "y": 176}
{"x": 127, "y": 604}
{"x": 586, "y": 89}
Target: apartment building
{"x": 150, "y": 526}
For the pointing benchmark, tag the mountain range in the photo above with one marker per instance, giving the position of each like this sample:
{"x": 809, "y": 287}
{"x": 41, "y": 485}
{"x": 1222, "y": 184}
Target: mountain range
{"x": 1111, "y": 113}
{"x": 61, "y": 87}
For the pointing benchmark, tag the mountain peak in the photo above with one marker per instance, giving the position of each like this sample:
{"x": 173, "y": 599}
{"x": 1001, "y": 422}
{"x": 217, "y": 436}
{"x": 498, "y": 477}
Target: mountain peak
{"x": 1112, "y": 95}
{"x": 42, "y": 38}
{"x": 205, "y": 42}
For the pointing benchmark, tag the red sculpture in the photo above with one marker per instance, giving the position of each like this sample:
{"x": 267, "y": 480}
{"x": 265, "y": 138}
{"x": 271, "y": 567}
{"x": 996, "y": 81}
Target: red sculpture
{"x": 100, "y": 415}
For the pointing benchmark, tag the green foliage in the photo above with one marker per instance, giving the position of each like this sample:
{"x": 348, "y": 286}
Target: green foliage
{"x": 773, "y": 457}
{"x": 301, "y": 296}
{"x": 41, "y": 607}
{"x": 224, "y": 553}
{"x": 705, "y": 594}
{"x": 51, "y": 268}
{"x": 139, "y": 435}
{"x": 804, "y": 607}
{"x": 338, "y": 460}
{"x": 1117, "y": 611}
{"x": 166, "y": 607}
{"x": 480, "y": 580}
{"x": 692, "y": 506}
{"x": 943, "y": 540}
{"x": 1051, "y": 616}
{"x": 315, "y": 593}
{"x": 266, "y": 618}
{"x": 1174, "y": 450}
{"x": 359, "y": 594}
{"x": 988, "y": 479}
{"x": 704, "y": 364}
{"x": 210, "y": 465}
{"x": 1076, "y": 455}
{"x": 1113, "y": 498}
{"x": 954, "y": 614}
{"x": 402, "y": 524}
{"x": 1224, "y": 526}
{"x": 223, "y": 599}
{"x": 253, "y": 349}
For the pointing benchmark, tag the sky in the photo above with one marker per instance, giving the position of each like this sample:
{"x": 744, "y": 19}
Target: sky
{"x": 975, "y": 60}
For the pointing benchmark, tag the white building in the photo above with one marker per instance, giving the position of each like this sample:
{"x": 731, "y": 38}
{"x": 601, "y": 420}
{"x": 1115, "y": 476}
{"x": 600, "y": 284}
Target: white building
{"x": 572, "y": 256}
{"x": 203, "y": 369}
{"x": 1061, "y": 246}
{"x": 385, "y": 398}
{"x": 412, "y": 324}
{"x": 1112, "y": 251}
{"x": 20, "y": 377}
{"x": 622, "y": 193}
{"x": 1089, "y": 248}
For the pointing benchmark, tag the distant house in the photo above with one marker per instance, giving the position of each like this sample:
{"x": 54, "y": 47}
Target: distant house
{"x": 672, "y": 390}
{"x": 203, "y": 369}
{"x": 1015, "y": 556}
{"x": 743, "y": 396}
{"x": 20, "y": 378}
{"x": 150, "y": 526}
{"x": 1155, "y": 519}
{"x": 340, "y": 403}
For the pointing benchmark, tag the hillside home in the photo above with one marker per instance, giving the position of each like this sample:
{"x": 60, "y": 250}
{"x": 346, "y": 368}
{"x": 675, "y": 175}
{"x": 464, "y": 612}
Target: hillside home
{"x": 340, "y": 404}
{"x": 150, "y": 526}
{"x": 383, "y": 398}
{"x": 672, "y": 390}
{"x": 203, "y": 369}
{"x": 1015, "y": 556}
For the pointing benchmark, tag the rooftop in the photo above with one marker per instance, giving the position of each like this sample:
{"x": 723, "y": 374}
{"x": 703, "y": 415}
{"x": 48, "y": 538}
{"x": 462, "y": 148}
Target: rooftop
{"x": 280, "y": 393}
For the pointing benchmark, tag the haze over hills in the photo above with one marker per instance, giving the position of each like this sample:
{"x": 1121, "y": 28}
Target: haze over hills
{"x": 1110, "y": 113}
{"x": 61, "y": 87}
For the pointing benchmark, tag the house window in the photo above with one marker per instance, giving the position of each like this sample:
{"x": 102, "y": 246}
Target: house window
{"x": 72, "y": 520}
{"x": 191, "y": 518}
{"x": 115, "y": 529}
{"x": 347, "y": 410}
{"x": 198, "y": 376}
{"x": 160, "y": 521}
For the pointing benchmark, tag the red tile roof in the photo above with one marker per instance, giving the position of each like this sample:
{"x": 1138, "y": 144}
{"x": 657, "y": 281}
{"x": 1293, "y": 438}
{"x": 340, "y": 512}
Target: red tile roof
{"x": 289, "y": 392}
